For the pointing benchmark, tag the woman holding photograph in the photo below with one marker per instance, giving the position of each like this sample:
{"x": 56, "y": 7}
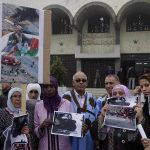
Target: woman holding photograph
{"x": 144, "y": 82}
{"x": 120, "y": 139}
{"x": 13, "y": 109}
{"x": 43, "y": 117}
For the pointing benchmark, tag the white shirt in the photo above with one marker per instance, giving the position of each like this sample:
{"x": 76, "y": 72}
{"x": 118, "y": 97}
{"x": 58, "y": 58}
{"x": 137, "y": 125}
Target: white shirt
{"x": 80, "y": 99}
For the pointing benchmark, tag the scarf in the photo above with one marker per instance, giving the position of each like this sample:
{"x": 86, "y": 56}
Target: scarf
{"x": 10, "y": 106}
{"x": 51, "y": 103}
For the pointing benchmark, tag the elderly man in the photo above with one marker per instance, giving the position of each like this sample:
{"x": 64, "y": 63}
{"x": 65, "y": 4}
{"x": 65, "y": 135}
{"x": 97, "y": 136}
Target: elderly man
{"x": 82, "y": 102}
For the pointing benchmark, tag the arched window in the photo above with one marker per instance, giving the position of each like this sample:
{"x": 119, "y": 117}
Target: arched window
{"x": 61, "y": 26}
{"x": 99, "y": 24}
{"x": 138, "y": 22}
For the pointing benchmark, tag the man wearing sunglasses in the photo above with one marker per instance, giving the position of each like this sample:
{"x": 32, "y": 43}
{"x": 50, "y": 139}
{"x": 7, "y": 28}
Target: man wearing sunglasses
{"x": 82, "y": 102}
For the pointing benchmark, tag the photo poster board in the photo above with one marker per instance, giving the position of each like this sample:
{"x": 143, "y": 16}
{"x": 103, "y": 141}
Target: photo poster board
{"x": 22, "y": 37}
{"x": 18, "y": 140}
{"x": 25, "y": 45}
{"x": 67, "y": 124}
{"x": 18, "y": 123}
{"x": 121, "y": 113}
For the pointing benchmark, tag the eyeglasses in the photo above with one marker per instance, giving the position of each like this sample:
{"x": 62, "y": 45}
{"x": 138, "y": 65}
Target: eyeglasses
{"x": 79, "y": 80}
{"x": 34, "y": 91}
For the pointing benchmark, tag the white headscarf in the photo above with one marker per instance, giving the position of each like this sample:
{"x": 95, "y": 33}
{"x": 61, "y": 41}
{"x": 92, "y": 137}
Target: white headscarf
{"x": 10, "y": 105}
{"x": 33, "y": 86}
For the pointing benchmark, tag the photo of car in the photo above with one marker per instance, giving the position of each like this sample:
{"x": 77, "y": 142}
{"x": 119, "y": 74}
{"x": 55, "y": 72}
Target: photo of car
{"x": 10, "y": 60}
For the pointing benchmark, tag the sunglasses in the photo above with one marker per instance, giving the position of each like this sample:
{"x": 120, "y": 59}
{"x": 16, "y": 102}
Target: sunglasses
{"x": 79, "y": 80}
{"x": 34, "y": 91}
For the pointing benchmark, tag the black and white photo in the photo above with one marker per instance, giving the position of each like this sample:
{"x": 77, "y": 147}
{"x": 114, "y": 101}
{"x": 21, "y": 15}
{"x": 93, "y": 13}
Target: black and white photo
{"x": 18, "y": 123}
{"x": 68, "y": 124}
{"x": 120, "y": 113}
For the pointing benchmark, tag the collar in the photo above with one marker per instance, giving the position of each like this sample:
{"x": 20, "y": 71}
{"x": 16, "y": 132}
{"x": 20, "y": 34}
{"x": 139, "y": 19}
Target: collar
{"x": 13, "y": 112}
{"x": 78, "y": 95}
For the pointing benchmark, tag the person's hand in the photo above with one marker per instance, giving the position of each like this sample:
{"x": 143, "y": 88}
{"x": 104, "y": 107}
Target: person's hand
{"x": 146, "y": 144}
{"x": 139, "y": 112}
{"x": 25, "y": 130}
{"x": 104, "y": 110}
{"x": 84, "y": 128}
{"x": 103, "y": 113}
{"x": 46, "y": 123}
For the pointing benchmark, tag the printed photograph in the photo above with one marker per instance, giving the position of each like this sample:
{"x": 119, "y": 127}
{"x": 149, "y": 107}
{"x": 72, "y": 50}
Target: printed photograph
{"x": 20, "y": 44}
{"x": 122, "y": 101}
{"x": 67, "y": 124}
{"x": 18, "y": 123}
{"x": 19, "y": 146}
{"x": 19, "y": 141}
{"x": 120, "y": 113}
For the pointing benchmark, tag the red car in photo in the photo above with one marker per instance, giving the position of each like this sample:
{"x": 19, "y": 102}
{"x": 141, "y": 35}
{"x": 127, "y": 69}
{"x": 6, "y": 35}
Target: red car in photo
{"x": 10, "y": 60}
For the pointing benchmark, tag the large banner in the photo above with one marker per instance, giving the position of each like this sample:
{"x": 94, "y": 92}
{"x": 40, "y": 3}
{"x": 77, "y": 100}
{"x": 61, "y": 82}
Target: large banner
{"x": 21, "y": 35}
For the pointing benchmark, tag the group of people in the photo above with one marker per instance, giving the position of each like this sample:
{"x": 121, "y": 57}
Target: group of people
{"x": 129, "y": 76}
{"x": 43, "y": 100}
{"x": 122, "y": 139}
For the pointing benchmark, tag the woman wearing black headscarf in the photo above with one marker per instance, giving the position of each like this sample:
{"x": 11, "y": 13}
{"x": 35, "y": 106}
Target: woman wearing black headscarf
{"x": 43, "y": 115}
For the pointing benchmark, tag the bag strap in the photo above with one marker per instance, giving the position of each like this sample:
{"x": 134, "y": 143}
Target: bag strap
{"x": 79, "y": 109}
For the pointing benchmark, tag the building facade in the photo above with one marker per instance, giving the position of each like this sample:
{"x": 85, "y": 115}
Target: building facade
{"x": 98, "y": 37}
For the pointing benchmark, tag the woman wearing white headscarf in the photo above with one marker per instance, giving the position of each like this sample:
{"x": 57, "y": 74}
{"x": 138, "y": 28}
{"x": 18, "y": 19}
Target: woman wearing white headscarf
{"x": 33, "y": 91}
{"x": 14, "y": 104}
{"x": 13, "y": 109}
{"x": 33, "y": 94}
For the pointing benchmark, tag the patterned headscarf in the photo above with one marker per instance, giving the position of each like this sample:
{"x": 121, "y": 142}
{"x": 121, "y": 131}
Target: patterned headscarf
{"x": 122, "y": 87}
{"x": 51, "y": 103}
{"x": 33, "y": 86}
{"x": 10, "y": 105}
